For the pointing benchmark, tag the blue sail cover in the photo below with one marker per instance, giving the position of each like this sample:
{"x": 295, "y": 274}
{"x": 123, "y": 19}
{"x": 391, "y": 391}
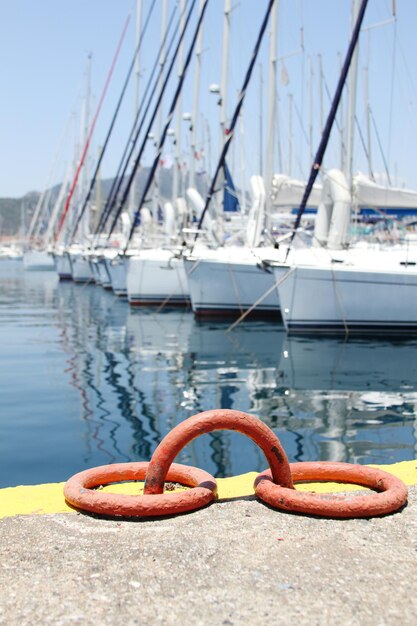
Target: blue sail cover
{"x": 230, "y": 200}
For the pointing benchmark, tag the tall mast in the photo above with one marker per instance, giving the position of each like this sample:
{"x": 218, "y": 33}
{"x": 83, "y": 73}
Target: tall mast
{"x": 330, "y": 119}
{"x": 271, "y": 114}
{"x": 261, "y": 88}
{"x": 170, "y": 113}
{"x": 162, "y": 58}
{"x": 225, "y": 70}
{"x": 98, "y": 201}
{"x": 321, "y": 92}
{"x": 368, "y": 122}
{"x": 90, "y": 133}
{"x": 290, "y": 107}
{"x": 137, "y": 92}
{"x": 235, "y": 117}
{"x": 353, "y": 75}
{"x": 310, "y": 107}
{"x": 242, "y": 164}
{"x": 198, "y": 52}
{"x": 178, "y": 118}
{"x": 342, "y": 124}
{"x": 85, "y": 120}
{"x": 85, "y": 172}
{"x": 137, "y": 59}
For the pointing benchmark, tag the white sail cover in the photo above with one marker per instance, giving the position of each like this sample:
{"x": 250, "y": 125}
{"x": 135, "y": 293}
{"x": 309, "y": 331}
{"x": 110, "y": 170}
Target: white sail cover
{"x": 366, "y": 193}
{"x": 287, "y": 192}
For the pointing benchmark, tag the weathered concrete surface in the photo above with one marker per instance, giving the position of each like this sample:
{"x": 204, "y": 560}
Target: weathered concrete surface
{"x": 232, "y": 563}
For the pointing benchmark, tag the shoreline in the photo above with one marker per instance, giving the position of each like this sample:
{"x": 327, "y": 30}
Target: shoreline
{"x": 48, "y": 498}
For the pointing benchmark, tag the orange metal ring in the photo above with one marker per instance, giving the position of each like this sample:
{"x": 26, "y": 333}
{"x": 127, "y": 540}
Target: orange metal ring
{"x": 392, "y": 496}
{"x": 218, "y": 419}
{"x": 79, "y": 492}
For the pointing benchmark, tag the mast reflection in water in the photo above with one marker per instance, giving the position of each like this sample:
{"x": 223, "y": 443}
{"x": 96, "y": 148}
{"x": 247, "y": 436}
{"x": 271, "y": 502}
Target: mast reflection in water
{"x": 86, "y": 380}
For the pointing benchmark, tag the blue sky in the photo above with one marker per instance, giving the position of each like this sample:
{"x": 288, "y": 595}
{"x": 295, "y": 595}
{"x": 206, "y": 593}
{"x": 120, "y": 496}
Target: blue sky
{"x": 44, "y": 45}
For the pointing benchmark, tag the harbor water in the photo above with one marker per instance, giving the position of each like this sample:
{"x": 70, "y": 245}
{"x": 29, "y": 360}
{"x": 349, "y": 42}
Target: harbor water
{"x": 87, "y": 380}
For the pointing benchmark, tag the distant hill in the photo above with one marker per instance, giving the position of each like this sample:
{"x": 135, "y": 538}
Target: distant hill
{"x": 16, "y": 213}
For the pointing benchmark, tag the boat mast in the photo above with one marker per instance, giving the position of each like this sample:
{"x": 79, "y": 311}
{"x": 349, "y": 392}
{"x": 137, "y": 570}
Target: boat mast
{"x": 330, "y": 120}
{"x": 271, "y": 114}
{"x": 225, "y": 71}
{"x": 352, "y": 88}
{"x": 261, "y": 87}
{"x": 320, "y": 63}
{"x": 130, "y": 146}
{"x": 85, "y": 118}
{"x": 310, "y": 107}
{"x": 162, "y": 60}
{"x": 178, "y": 119}
{"x": 171, "y": 111}
{"x": 229, "y": 136}
{"x": 290, "y": 110}
{"x": 342, "y": 125}
{"x": 198, "y": 52}
{"x": 91, "y": 131}
{"x": 137, "y": 92}
{"x": 368, "y": 123}
{"x": 147, "y": 131}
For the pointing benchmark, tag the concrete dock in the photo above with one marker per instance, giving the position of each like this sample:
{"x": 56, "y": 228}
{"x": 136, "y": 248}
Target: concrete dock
{"x": 234, "y": 562}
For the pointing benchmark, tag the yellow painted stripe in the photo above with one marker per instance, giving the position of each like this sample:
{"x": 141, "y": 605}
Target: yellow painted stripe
{"x": 48, "y": 498}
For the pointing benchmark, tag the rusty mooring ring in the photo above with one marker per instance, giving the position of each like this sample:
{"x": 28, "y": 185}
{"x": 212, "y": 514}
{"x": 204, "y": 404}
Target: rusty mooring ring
{"x": 79, "y": 491}
{"x": 391, "y": 497}
{"x": 217, "y": 419}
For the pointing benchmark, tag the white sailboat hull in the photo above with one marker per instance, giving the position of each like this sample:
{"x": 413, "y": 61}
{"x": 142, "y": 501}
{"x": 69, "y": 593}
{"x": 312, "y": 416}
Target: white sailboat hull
{"x": 349, "y": 299}
{"x": 154, "y": 277}
{"x": 63, "y": 266}
{"x": 95, "y": 271}
{"x": 116, "y": 269}
{"x": 229, "y": 282}
{"x": 38, "y": 260}
{"x": 103, "y": 274}
{"x": 81, "y": 270}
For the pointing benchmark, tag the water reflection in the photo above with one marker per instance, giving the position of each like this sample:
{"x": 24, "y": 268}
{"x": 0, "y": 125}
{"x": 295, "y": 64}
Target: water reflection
{"x": 324, "y": 398}
{"x": 363, "y": 392}
{"x": 127, "y": 376}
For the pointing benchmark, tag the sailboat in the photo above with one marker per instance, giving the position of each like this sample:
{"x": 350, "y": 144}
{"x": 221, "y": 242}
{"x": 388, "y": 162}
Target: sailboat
{"x": 155, "y": 273}
{"x": 342, "y": 288}
{"x": 36, "y": 256}
{"x": 234, "y": 277}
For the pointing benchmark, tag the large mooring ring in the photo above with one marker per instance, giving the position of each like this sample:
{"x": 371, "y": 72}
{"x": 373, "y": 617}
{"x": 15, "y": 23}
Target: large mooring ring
{"x": 79, "y": 491}
{"x": 391, "y": 497}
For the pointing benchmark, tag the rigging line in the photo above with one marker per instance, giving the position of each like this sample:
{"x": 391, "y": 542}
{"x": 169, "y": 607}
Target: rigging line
{"x": 150, "y": 123}
{"x": 330, "y": 120}
{"x": 48, "y": 182}
{"x": 230, "y": 133}
{"x": 378, "y": 138}
{"x": 408, "y": 91}
{"x": 297, "y": 110}
{"x": 276, "y": 284}
{"x": 303, "y": 130}
{"x": 339, "y": 302}
{"x": 411, "y": 83}
{"x": 170, "y": 114}
{"x": 336, "y": 121}
{"x": 365, "y": 149}
{"x": 113, "y": 121}
{"x": 134, "y": 133}
{"x": 90, "y": 134}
